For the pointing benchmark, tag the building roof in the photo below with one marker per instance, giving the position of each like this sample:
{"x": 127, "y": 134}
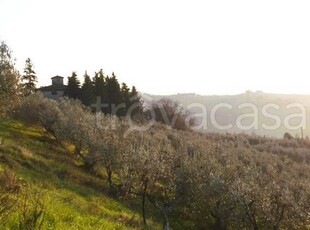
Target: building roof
{"x": 57, "y": 77}
{"x": 53, "y": 88}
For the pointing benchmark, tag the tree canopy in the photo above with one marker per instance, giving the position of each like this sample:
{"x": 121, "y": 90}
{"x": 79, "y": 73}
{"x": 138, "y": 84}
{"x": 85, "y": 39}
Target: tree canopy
{"x": 29, "y": 78}
{"x": 113, "y": 97}
{"x": 9, "y": 80}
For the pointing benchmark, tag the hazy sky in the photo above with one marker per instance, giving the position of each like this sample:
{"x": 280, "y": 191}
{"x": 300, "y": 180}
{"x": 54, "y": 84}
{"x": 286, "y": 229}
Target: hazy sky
{"x": 166, "y": 46}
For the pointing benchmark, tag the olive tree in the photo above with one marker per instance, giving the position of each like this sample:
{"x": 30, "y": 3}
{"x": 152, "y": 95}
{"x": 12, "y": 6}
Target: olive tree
{"x": 151, "y": 168}
{"x": 106, "y": 145}
{"x": 74, "y": 124}
{"x": 9, "y": 81}
{"x": 36, "y": 109}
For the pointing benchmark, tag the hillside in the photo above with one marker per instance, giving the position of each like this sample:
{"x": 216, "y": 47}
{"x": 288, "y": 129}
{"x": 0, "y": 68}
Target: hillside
{"x": 50, "y": 189}
{"x": 97, "y": 171}
{"x": 277, "y": 107}
{"x": 55, "y": 187}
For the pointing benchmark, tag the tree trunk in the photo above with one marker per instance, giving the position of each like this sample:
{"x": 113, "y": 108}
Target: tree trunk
{"x": 166, "y": 220}
{"x": 109, "y": 173}
{"x": 251, "y": 215}
{"x": 143, "y": 201}
{"x": 77, "y": 150}
{"x": 163, "y": 209}
{"x": 276, "y": 225}
{"x": 219, "y": 224}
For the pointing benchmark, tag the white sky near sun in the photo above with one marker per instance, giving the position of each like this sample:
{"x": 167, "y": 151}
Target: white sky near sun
{"x": 166, "y": 46}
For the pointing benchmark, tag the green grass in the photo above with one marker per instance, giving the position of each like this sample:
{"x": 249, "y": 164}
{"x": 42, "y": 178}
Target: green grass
{"x": 72, "y": 197}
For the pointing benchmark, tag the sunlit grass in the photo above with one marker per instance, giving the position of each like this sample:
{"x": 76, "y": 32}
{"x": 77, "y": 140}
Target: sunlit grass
{"x": 72, "y": 198}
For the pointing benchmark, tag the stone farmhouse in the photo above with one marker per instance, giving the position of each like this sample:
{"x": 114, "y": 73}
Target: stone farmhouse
{"x": 56, "y": 90}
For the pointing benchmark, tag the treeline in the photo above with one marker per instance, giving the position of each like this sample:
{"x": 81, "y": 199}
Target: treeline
{"x": 101, "y": 92}
{"x": 106, "y": 92}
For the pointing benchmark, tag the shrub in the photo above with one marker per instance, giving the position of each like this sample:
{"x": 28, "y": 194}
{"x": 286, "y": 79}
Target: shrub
{"x": 9, "y": 189}
{"x": 168, "y": 112}
{"x": 31, "y": 210}
{"x": 35, "y": 109}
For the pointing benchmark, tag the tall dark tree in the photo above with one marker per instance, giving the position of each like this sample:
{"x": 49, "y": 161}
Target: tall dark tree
{"x": 73, "y": 88}
{"x": 116, "y": 99}
{"x": 113, "y": 97}
{"x": 29, "y": 78}
{"x": 87, "y": 91}
{"x": 9, "y": 80}
{"x": 99, "y": 85}
{"x": 135, "y": 102}
{"x": 125, "y": 98}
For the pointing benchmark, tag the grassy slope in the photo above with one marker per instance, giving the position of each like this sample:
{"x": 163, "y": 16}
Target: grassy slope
{"x": 73, "y": 198}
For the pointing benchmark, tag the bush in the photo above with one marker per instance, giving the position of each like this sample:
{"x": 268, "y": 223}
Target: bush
{"x": 73, "y": 124}
{"x": 168, "y": 112}
{"x": 10, "y": 89}
{"x": 35, "y": 109}
{"x": 31, "y": 210}
{"x": 9, "y": 190}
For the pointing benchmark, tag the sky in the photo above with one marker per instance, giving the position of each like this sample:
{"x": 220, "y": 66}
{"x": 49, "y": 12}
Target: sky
{"x": 166, "y": 46}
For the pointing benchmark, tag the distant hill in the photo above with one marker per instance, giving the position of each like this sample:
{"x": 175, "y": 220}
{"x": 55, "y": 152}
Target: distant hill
{"x": 229, "y": 109}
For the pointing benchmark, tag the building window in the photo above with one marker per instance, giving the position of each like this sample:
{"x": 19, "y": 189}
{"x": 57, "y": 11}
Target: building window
{"x": 54, "y": 92}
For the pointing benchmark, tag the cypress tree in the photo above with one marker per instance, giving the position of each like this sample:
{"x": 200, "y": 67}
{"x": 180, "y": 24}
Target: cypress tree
{"x": 87, "y": 91}
{"x": 29, "y": 78}
{"x": 113, "y": 97}
{"x": 99, "y": 85}
{"x": 135, "y": 100}
{"x": 125, "y": 96}
{"x": 73, "y": 88}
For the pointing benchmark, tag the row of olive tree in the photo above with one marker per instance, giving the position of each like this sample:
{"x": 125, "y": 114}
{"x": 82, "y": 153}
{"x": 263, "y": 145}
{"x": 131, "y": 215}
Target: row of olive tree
{"x": 144, "y": 162}
{"x": 210, "y": 181}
